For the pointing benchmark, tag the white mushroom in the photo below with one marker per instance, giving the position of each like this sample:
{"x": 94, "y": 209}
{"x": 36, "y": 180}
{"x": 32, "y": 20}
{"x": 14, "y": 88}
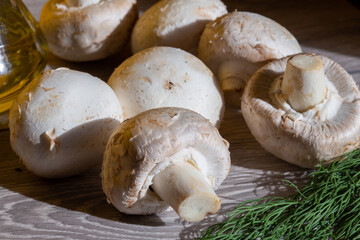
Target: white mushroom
{"x": 237, "y": 44}
{"x": 167, "y": 77}
{"x": 162, "y": 157}
{"x": 304, "y": 109}
{"x": 61, "y": 122}
{"x": 86, "y": 30}
{"x": 304, "y": 82}
{"x": 175, "y": 23}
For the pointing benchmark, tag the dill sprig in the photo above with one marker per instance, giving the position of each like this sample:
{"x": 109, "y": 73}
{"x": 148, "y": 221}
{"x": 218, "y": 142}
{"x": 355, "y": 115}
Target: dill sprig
{"x": 327, "y": 207}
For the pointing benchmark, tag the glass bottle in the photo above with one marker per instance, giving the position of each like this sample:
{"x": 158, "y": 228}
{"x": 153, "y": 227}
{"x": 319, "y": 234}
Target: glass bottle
{"x": 23, "y": 52}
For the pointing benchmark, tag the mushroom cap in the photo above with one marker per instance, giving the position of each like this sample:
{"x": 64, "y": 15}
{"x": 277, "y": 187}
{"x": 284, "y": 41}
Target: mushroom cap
{"x": 61, "y": 122}
{"x": 304, "y": 139}
{"x": 144, "y": 145}
{"x": 87, "y": 33}
{"x": 247, "y": 40}
{"x": 167, "y": 77}
{"x": 175, "y": 23}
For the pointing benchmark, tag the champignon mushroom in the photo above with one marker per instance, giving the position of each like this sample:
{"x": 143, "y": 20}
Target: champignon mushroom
{"x": 235, "y": 45}
{"x": 61, "y": 122}
{"x": 304, "y": 109}
{"x": 86, "y": 30}
{"x": 162, "y": 157}
{"x": 175, "y": 23}
{"x": 167, "y": 77}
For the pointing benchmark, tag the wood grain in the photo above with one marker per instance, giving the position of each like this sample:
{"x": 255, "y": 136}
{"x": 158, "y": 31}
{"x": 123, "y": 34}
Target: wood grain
{"x": 76, "y": 208}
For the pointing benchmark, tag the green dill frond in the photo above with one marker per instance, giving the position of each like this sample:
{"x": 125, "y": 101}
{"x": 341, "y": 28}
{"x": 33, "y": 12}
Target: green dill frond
{"x": 328, "y": 207}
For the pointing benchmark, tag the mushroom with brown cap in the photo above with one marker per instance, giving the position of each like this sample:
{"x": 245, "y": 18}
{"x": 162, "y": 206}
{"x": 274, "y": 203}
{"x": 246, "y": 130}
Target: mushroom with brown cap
{"x": 61, "y": 122}
{"x": 86, "y": 30}
{"x": 167, "y": 77}
{"x": 237, "y": 44}
{"x": 175, "y": 23}
{"x": 304, "y": 109}
{"x": 162, "y": 157}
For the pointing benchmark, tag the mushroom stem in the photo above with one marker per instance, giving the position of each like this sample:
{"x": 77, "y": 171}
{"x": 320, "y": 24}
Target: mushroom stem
{"x": 187, "y": 191}
{"x": 230, "y": 84}
{"x": 81, "y": 3}
{"x": 228, "y": 76}
{"x": 233, "y": 76}
{"x": 304, "y": 83}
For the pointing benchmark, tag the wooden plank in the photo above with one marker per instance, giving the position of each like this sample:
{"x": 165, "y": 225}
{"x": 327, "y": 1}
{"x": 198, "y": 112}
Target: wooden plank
{"x": 76, "y": 208}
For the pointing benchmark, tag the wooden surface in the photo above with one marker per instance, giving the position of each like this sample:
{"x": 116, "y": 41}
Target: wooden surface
{"x": 76, "y": 208}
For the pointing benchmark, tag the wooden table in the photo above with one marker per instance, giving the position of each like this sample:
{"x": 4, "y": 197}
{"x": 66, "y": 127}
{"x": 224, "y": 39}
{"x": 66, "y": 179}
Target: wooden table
{"x": 76, "y": 208}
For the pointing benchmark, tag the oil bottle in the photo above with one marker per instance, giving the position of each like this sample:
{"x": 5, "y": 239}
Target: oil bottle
{"x": 23, "y": 52}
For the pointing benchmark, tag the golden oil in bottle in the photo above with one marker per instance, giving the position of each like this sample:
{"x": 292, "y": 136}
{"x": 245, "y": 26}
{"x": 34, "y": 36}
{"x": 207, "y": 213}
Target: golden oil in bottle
{"x": 23, "y": 52}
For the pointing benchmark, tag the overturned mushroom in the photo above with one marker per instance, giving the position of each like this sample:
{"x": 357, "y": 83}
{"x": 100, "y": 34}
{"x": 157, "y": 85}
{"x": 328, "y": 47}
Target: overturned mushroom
{"x": 304, "y": 109}
{"x": 167, "y": 77}
{"x": 162, "y": 157}
{"x": 175, "y": 23}
{"x": 86, "y": 30}
{"x": 61, "y": 122}
{"x": 237, "y": 44}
